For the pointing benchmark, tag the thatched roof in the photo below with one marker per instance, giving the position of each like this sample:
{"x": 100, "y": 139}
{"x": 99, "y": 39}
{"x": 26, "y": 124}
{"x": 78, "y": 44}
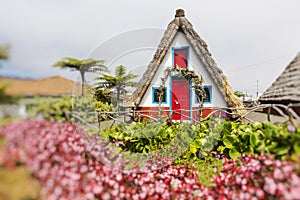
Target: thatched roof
{"x": 286, "y": 88}
{"x": 180, "y": 23}
{"x": 52, "y": 86}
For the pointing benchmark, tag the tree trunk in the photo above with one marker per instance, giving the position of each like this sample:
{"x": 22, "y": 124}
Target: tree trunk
{"x": 83, "y": 82}
{"x": 118, "y": 98}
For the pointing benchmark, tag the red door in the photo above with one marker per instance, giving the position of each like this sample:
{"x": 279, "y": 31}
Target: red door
{"x": 180, "y": 99}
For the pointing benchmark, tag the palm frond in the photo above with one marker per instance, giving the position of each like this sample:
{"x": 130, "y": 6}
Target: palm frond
{"x": 120, "y": 81}
{"x": 69, "y": 63}
{"x": 83, "y": 66}
{"x": 120, "y": 71}
{"x": 92, "y": 65}
{"x": 131, "y": 84}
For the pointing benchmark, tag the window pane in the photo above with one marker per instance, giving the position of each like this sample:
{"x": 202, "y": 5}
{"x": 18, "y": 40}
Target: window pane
{"x": 207, "y": 98}
{"x": 156, "y": 94}
{"x": 207, "y": 94}
{"x": 180, "y": 58}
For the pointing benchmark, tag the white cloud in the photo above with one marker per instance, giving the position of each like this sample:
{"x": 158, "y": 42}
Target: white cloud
{"x": 239, "y": 33}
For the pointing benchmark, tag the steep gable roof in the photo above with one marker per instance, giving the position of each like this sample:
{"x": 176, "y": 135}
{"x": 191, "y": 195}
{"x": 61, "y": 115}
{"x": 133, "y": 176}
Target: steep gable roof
{"x": 180, "y": 23}
{"x": 286, "y": 88}
{"x": 51, "y": 86}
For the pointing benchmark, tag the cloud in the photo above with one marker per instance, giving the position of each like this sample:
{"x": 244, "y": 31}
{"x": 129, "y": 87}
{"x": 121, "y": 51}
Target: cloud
{"x": 239, "y": 33}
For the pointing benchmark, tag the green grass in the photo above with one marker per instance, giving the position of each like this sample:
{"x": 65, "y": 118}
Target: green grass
{"x": 8, "y": 120}
{"x": 206, "y": 170}
{"x": 17, "y": 183}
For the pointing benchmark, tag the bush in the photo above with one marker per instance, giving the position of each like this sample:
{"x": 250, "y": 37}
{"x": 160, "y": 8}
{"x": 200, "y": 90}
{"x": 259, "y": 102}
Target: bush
{"x": 52, "y": 109}
{"x": 58, "y": 155}
{"x": 66, "y": 108}
{"x": 72, "y": 165}
{"x": 7, "y": 99}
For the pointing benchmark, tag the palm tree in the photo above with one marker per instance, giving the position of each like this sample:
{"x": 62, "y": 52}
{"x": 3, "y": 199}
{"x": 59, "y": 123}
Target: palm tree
{"x": 119, "y": 81}
{"x": 83, "y": 66}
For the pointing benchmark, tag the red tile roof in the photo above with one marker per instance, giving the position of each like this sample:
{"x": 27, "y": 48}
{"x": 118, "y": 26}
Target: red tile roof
{"x": 52, "y": 86}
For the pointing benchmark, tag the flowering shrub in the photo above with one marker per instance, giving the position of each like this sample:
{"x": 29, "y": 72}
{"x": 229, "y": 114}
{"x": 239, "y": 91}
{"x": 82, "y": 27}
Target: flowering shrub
{"x": 58, "y": 156}
{"x": 72, "y": 165}
{"x": 256, "y": 178}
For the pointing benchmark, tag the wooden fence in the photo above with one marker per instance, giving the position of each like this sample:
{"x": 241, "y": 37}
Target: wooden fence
{"x": 283, "y": 113}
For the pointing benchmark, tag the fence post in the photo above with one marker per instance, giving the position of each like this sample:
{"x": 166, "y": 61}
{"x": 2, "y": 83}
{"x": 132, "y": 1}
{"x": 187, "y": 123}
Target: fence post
{"x": 99, "y": 121}
{"x": 269, "y": 111}
{"x": 290, "y": 116}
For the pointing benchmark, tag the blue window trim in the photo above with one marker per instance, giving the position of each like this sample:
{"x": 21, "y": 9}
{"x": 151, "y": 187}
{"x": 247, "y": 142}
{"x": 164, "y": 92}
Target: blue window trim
{"x": 179, "y": 48}
{"x": 163, "y": 102}
{"x": 210, "y": 95}
{"x": 191, "y": 101}
{"x": 170, "y": 96}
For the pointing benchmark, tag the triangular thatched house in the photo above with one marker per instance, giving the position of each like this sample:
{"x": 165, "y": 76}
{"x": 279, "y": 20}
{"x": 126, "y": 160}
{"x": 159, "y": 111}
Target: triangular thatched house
{"x": 286, "y": 89}
{"x": 181, "y": 46}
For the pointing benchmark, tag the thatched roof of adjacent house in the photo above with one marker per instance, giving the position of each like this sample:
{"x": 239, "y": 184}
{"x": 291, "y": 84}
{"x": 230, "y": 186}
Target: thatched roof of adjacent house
{"x": 180, "y": 23}
{"x": 286, "y": 88}
{"x": 52, "y": 86}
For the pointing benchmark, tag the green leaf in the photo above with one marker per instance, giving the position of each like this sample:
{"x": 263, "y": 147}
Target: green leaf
{"x": 158, "y": 138}
{"x": 282, "y": 150}
{"x": 234, "y": 153}
{"x": 271, "y": 146}
{"x": 138, "y": 146}
{"x": 249, "y": 150}
{"x": 253, "y": 140}
{"x": 193, "y": 149}
{"x": 207, "y": 147}
{"x": 257, "y": 125}
{"x": 245, "y": 136}
{"x": 127, "y": 138}
{"x": 296, "y": 147}
{"x": 197, "y": 143}
{"x": 227, "y": 127}
{"x": 221, "y": 149}
{"x": 144, "y": 151}
{"x": 203, "y": 141}
{"x": 248, "y": 130}
{"x": 261, "y": 147}
{"x": 228, "y": 140}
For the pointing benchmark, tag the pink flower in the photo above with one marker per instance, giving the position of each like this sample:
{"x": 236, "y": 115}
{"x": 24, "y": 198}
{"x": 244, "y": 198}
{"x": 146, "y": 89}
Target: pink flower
{"x": 291, "y": 128}
{"x": 278, "y": 174}
{"x": 268, "y": 162}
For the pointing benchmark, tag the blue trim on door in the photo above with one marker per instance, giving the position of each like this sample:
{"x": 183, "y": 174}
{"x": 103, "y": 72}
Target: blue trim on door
{"x": 170, "y": 96}
{"x": 191, "y": 102}
{"x": 187, "y": 54}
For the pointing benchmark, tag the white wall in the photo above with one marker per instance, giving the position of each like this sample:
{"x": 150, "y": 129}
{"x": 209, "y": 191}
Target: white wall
{"x": 193, "y": 64}
{"x": 9, "y": 110}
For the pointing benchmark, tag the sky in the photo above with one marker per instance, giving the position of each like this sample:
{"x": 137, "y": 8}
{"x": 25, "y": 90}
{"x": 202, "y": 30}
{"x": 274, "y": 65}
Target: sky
{"x": 252, "y": 41}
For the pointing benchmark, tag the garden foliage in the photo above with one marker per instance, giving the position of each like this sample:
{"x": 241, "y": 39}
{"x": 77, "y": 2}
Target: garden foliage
{"x": 216, "y": 135}
{"x": 65, "y": 108}
{"x": 72, "y": 165}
